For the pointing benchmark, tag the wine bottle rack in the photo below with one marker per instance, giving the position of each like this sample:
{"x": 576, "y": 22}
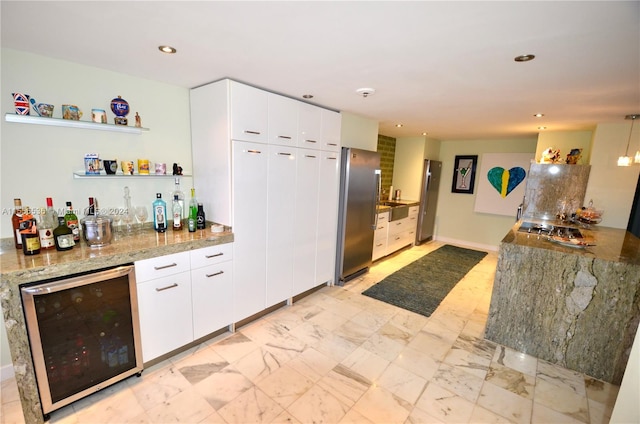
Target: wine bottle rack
{"x": 57, "y": 122}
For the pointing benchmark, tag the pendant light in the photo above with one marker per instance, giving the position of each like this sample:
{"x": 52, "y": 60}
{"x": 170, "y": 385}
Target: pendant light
{"x": 626, "y": 160}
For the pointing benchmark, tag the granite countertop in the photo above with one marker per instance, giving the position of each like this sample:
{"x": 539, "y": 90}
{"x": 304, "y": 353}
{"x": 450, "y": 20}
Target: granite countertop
{"x": 610, "y": 244}
{"x": 16, "y": 267}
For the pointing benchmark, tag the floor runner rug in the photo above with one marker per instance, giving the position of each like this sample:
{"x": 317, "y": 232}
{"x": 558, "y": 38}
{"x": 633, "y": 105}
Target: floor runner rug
{"x": 420, "y": 286}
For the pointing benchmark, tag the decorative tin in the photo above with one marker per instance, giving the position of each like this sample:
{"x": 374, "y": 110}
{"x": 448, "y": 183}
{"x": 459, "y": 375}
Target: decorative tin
{"x": 120, "y": 108}
{"x": 21, "y": 102}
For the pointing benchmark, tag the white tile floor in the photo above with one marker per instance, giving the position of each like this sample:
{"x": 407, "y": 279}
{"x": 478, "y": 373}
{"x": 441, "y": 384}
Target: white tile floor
{"x": 340, "y": 357}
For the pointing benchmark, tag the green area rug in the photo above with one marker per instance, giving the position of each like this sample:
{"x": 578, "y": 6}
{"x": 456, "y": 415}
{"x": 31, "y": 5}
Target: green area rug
{"x": 420, "y": 286}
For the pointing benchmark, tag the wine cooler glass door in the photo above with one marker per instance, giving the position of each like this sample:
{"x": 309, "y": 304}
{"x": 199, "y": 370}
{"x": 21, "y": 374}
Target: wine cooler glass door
{"x": 84, "y": 333}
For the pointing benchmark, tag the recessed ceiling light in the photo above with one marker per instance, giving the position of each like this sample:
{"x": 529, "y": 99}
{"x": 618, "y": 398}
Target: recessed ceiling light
{"x": 366, "y": 92}
{"x": 424, "y": 133}
{"x": 167, "y": 49}
{"x": 524, "y": 58}
{"x": 399, "y": 125}
{"x": 539, "y": 115}
{"x": 542, "y": 128}
{"x": 307, "y": 96}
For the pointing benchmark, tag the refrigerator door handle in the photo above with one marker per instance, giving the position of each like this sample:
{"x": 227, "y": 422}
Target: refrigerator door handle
{"x": 376, "y": 195}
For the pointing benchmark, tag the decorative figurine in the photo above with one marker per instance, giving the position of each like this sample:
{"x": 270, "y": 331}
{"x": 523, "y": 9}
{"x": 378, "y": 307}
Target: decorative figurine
{"x": 138, "y": 121}
{"x": 574, "y": 156}
{"x": 177, "y": 169}
{"x": 120, "y": 108}
{"x": 550, "y": 155}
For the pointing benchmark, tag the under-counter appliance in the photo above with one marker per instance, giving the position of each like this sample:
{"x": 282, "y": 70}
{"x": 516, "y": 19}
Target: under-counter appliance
{"x": 428, "y": 200}
{"x": 357, "y": 212}
{"x": 84, "y": 333}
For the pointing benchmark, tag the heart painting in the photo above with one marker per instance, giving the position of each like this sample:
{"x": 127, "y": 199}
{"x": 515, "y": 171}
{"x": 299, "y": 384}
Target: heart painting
{"x": 504, "y": 181}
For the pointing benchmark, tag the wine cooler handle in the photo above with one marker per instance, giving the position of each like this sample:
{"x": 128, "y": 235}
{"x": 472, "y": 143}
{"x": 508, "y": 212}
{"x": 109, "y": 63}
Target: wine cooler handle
{"x": 174, "y": 285}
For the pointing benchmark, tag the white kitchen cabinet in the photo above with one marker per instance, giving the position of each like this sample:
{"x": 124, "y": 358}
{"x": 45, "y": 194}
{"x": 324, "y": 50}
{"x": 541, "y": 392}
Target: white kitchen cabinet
{"x": 249, "y": 116}
{"x": 328, "y": 192}
{"x": 306, "y": 220}
{"x": 164, "y": 303}
{"x": 380, "y": 236}
{"x": 309, "y": 126}
{"x": 211, "y": 288}
{"x": 281, "y": 207}
{"x": 283, "y": 120}
{"x": 331, "y": 127}
{"x": 249, "y": 228}
{"x": 402, "y": 232}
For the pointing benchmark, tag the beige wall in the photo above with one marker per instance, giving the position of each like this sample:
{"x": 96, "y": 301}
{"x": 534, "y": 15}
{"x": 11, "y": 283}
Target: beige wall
{"x": 565, "y": 141}
{"x": 359, "y": 132}
{"x": 407, "y": 170}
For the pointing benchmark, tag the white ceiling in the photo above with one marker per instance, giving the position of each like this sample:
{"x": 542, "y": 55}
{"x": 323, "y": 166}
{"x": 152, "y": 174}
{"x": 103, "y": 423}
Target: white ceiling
{"x": 445, "y": 68}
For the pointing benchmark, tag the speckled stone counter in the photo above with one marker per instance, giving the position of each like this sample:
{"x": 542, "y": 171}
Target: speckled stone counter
{"x": 17, "y": 269}
{"x": 576, "y": 307}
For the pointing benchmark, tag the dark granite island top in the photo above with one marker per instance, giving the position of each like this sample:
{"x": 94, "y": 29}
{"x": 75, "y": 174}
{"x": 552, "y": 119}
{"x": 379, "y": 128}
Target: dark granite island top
{"x": 576, "y": 307}
{"x": 17, "y": 269}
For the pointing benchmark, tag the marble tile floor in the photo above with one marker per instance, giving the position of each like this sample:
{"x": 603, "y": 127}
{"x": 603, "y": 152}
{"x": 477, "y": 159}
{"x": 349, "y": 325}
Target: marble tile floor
{"x": 337, "y": 356}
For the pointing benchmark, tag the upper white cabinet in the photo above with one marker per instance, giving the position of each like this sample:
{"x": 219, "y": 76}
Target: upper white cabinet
{"x": 309, "y": 126}
{"x": 328, "y": 192}
{"x": 331, "y": 127}
{"x": 249, "y": 116}
{"x": 283, "y": 120}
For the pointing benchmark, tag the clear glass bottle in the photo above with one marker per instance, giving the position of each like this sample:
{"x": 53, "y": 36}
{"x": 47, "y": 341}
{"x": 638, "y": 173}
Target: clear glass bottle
{"x": 48, "y": 223}
{"x": 177, "y": 213}
{"x": 178, "y": 192}
{"x": 159, "y": 214}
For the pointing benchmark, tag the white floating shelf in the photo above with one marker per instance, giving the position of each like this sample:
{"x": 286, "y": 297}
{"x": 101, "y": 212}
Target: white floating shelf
{"x": 57, "y": 122}
{"x": 82, "y": 174}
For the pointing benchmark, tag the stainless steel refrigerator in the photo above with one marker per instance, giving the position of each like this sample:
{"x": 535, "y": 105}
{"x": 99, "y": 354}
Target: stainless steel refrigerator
{"x": 428, "y": 200}
{"x": 357, "y": 213}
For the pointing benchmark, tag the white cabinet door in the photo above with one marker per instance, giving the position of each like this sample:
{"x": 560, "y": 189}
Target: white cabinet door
{"x": 331, "y": 127}
{"x": 249, "y": 116}
{"x": 309, "y": 126}
{"x": 283, "y": 120}
{"x": 165, "y": 314}
{"x": 380, "y": 236}
{"x": 281, "y": 214}
{"x": 328, "y": 192}
{"x": 249, "y": 228}
{"x": 212, "y": 298}
{"x": 306, "y": 220}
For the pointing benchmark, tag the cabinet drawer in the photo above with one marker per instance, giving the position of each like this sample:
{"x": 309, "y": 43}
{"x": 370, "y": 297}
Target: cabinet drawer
{"x": 211, "y": 255}
{"x": 413, "y": 210}
{"x": 379, "y": 249}
{"x": 162, "y": 266}
{"x": 398, "y": 226}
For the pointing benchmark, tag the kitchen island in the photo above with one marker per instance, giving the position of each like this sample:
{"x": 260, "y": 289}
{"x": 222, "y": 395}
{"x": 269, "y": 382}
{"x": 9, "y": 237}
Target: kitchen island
{"x": 574, "y": 306}
{"x": 17, "y": 269}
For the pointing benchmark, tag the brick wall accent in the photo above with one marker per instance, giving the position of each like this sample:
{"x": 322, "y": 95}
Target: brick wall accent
{"x": 387, "y": 150}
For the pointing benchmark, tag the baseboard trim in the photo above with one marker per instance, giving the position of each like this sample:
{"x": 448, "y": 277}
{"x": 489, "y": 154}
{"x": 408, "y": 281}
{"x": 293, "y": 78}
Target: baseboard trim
{"x": 6, "y": 372}
{"x": 467, "y": 243}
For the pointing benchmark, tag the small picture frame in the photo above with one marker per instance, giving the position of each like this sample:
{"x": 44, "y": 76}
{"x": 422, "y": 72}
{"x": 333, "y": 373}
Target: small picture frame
{"x": 464, "y": 174}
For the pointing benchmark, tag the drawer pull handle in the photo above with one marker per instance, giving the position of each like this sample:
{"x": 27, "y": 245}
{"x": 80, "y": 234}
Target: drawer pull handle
{"x": 252, "y": 132}
{"x": 378, "y": 245}
{"x": 214, "y": 274}
{"x": 332, "y": 144}
{"x": 284, "y": 154}
{"x": 332, "y": 158}
{"x": 310, "y": 141}
{"x": 254, "y": 151}
{"x": 214, "y": 255}
{"x": 174, "y": 285}
{"x": 285, "y": 137}
{"x": 158, "y": 268}
{"x": 310, "y": 156}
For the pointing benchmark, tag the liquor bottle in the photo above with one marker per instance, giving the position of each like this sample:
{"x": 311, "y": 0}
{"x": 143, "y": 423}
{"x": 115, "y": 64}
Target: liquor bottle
{"x": 92, "y": 207}
{"x": 63, "y": 235}
{"x": 180, "y": 194}
{"x": 71, "y": 219}
{"x": 159, "y": 214}
{"x": 193, "y": 211}
{"x": 47, "y": 224}
{"x": 200, "y": 221}
{"x": 29, "y": 233}
{"x": 15, "y": 222}
{"x": 177, "y": 213}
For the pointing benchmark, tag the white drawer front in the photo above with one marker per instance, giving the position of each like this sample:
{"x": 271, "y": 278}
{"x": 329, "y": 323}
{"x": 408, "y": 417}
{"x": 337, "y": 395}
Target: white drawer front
{"x": 398, "y": 226}
{"x": 211, "y": 255}
{"x": 162, "y": 266}
{"x": 413, "y": 210}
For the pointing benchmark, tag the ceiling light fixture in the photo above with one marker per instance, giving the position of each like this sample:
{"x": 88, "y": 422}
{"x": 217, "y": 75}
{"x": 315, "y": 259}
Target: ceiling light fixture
{"x": 626, "y": 159}
{"x": 366, "y": 92}
{"x": 167, "y": 49}
{"x": 424, "y": 133}
{"x": 399, "y": 125}
{"x": 539, "y": 115}
{"x": 307, "y": 96}
{"x": 542, "y": 128}
{"x": 524, "y": 58}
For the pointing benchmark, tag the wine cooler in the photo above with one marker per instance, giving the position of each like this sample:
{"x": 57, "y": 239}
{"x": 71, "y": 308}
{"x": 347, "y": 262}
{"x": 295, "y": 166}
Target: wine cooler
{"x": 84, "y": 333}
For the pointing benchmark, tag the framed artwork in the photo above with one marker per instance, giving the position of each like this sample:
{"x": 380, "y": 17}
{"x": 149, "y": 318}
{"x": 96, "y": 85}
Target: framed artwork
{"x": 464, "y": 174}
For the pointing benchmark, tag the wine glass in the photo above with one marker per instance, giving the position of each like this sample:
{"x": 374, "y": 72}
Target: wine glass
{"x": 128, "y": 218}
{"x": 141, "y": 215}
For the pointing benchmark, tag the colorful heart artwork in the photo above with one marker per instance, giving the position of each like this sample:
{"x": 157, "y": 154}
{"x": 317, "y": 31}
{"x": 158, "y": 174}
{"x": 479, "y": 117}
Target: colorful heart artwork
{"x": 504, "y": 181}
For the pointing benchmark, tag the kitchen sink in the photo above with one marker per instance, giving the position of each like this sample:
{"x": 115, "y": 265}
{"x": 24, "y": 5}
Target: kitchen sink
{"x": 549, "y": 229}
{"x": 392, "y": 204}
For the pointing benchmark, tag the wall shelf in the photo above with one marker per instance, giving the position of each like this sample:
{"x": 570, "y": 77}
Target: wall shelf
{"x": 57, "y": 122}
{"x": 81, "y": 174}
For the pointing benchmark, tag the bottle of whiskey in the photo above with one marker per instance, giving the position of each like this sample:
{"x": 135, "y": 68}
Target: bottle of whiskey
{"x": 15, "y": 222}
{"x": 71, "y": 219}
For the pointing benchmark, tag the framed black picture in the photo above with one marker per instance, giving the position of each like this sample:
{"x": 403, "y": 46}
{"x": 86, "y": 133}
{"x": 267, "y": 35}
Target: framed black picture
{"x": 464, "y": 174}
